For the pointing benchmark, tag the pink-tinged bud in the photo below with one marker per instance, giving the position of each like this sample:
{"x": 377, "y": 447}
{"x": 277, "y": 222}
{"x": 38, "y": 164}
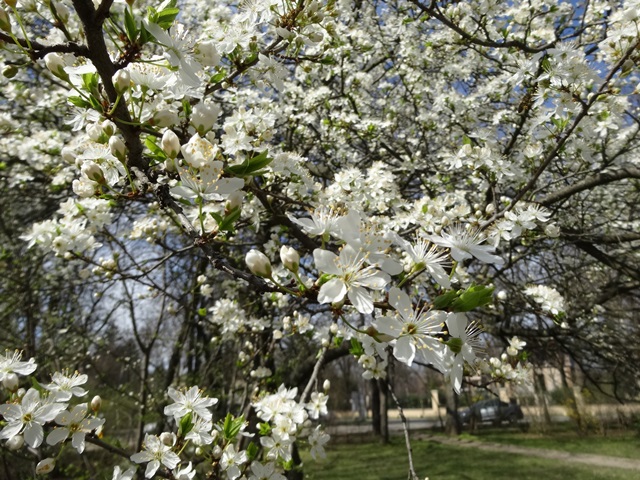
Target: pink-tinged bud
{"x": 121, "y": 81}
{"x": 55, "y": 64}
{"x": 93, "y": 172}
{"x": 45, "y": 466}
{"x": 170, "y": 144}
{"x": 96, "y": 403}
{"x": 290, "y": 258}
{"x": 118, "y": 148}
{"x": 258, "y": 263}
{"x": 15, "y": 443}
{"x": 5, "y": 23}
{"x": 10, "y": 382}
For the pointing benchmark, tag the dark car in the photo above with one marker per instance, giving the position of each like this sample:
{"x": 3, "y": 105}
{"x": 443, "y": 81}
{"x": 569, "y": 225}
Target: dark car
{"x": 494, "y": 411}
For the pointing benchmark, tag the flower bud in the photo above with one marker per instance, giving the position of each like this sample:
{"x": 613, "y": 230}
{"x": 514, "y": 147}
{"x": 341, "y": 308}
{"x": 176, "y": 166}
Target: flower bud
{"x": 118, "y": 148}
{"x": 121, "y": 80}
{"x": 10, "y": 382}
{"x": 55, "y": 64}
{"x": 290, "y": 258}
{"x": 93, "y": 172}
{"x": 216, "y": 452}
{"x": 95, "y": 133}
{"x": 11, "y": 3}
{"x": 204, "y": 117}
{"x": 326, "y": 385}
{"x": 15, "y": 443}
{"x": 62, "y": 11}
{"x": 170, "y": 144}
{"x": 234, "y": 201}
{"x": 45, "y": 466}
{"x": 96, "y": 403}
{"x": 9, "y": 71}
{"x": 5, "y": 23}
{"x": 108, "y": 127}
{"x": 165, "y": 118}
{"x": 258, "y": 263}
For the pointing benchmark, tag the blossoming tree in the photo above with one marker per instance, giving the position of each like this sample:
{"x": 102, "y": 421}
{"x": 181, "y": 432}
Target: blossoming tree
{"x": 246, "y": 190}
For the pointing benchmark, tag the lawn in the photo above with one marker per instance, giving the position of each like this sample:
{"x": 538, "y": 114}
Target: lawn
{"x": 615, "y": 444}
{"x": 372, "y": 461}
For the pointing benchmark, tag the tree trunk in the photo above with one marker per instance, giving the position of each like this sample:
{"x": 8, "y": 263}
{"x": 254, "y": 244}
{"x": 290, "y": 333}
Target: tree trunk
{"x": 384, "y": 406}
{"x": 375, "y": 407}
{"x": 452, "y": 425}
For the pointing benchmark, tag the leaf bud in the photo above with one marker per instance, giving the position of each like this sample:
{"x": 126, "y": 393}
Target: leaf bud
{"x": 258, "y": 263}
{"x": 170, "y": 144}
{"x": 45, "y": 466}
{"x": 290, "y": 258}
{"x": 121, "y": 81}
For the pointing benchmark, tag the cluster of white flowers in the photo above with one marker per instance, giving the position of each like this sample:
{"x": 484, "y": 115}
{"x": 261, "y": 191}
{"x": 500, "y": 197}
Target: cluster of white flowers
{"x": 288, "y": 420}
{"x": 548, "y": 298}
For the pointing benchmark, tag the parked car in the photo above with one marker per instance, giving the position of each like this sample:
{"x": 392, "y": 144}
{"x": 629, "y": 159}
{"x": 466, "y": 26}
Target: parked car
{"x": 494, "y": 411}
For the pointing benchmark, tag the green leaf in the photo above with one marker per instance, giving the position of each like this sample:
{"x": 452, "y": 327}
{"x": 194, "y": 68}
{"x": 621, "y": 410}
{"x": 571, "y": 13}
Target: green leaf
{"x": 265, "y": 429}
{"x": 443, "y": 301}
{"x": 79, "y": 102}
{"x": 252, "y": 451}
{"x": 218, "y": 77}
{"x": 145, "y": 36}
{"x": 250, "y": 165}
{"x": 130, "y": 25}
{"x": 230, "y": 219}
{"x": 154, "y": 148}
{"x": 90, "y": 82}
{"x": 473, "y": 297}
{"x": 166, "y": 17}
{"x": 217, "y": 217}
{"x": 231, "y": 426}
{"x": 202, "y": 312}
{"x": 36, "y": 385}
{"x": 186, "y": 424}
{"x": 356, "y": 347}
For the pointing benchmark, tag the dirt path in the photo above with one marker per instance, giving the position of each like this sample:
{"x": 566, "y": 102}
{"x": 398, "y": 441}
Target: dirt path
{"x": 584, "y": 458}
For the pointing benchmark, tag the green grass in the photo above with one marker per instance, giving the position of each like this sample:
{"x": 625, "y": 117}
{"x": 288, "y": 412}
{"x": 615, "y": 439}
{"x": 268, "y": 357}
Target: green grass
{"x": 373, "y": 461}
{"x": 615, "y": 444}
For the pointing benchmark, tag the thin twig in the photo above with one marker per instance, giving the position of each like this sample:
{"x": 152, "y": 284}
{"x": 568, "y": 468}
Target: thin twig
{"x": 314, "y": 375}
{"x": 407, "y": 441}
